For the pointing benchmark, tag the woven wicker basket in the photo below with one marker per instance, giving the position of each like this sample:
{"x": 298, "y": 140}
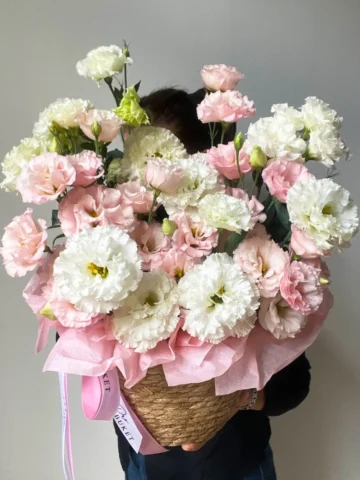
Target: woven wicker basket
{"x": 179, "y": 415}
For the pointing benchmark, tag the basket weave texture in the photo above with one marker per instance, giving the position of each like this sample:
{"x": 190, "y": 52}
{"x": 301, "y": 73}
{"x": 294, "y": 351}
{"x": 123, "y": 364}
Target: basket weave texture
{"x": 182, "y": 414}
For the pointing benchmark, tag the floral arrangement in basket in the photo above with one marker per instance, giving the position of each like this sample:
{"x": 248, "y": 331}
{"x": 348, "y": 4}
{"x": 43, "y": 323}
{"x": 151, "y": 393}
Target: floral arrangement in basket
{"x": 210, "y": 265}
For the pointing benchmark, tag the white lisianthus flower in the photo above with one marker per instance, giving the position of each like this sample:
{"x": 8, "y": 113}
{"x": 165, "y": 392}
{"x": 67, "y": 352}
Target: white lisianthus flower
{"x": 219, "y": 299}
{"x": 98, "y": 269}
{"x": 149, "y": 142}
{"x": 148, "y": 315}
{"x": 17, "y": 159}
{"x": 324, "y": 211}
{"x": 317, "y": 115}
{"x": 288, "y": 116}
{"x": 64, "y": 112}
{"x": 219, "y": 210}
{"x": 276, "y": 138}
{"x": 103, "y": 62}
{"x": 198, "y": 180}
{"x": 326, "y": 146}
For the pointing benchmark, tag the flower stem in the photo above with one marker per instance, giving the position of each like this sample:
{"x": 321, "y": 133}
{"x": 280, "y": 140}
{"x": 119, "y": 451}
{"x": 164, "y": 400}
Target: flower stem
{"x": 224, "y": 127}
{"x": 125, "y": 77}
{"x": 257, "y": 175}
{"x": 155, "y": 197}
{"x": 212, "y": 133}
{"x": 108, "y": 82}
{"x": 238, "y": 163}
{"x": 97, "y": 146}
{"x": 286, "y": 239}
{"x": 271, "y": 204}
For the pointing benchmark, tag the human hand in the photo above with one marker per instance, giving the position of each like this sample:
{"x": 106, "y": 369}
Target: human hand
{"x": 244, "y": 400}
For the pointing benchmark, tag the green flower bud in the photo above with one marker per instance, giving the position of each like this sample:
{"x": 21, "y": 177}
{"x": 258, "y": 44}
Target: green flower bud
{"x": 96, "y": 129}
{"x": 239, "y": 141}
{"x": 324, "y": 281}
{"x": 130, "y": 110}
{"x": 168, "y": 227}
{"x": 258, "y": 159}
{"x": 47, "y": 312}
{"x": 55, "y": 146}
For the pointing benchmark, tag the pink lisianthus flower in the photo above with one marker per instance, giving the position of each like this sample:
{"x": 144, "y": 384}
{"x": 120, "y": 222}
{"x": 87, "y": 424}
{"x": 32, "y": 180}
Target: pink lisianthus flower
{"x": 300, "y": 287}
{"x": 69, "y": 316}
{"x": 109, "y": 122}
{"x": 193, "y": 237}
{"x": 163, "y": 176}
{"x": 136, "y": 196}
{"x": 153, "y": 244}
{"x": 92, "y": 206}
{"x": 265, "y": 263}
{"x": 280, "y": 175}
{"x": 229, "y": 107}
{"x": 256, "y": 208}
{"x": 88, "y": 168}
{"x": 45, "y": 177}
{"x": 223, "y": 159}
{"x": 303, "y": 245}
{"x": 24, "y": 242}
{"x": 176, "y": 263}
{"x": 220, "y": 77}
{"x": 280, "y": 319}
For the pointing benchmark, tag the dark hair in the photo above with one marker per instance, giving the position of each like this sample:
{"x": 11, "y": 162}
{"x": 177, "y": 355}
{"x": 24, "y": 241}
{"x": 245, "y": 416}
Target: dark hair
{"x": 175, "y": 110}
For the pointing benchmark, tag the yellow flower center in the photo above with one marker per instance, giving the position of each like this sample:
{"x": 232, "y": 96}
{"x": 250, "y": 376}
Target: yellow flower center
{"x": 152, "y": 299}
{"x": 217, "y": 298}
{"x": 327, "y": 210}
{"x": 93, "y": 214}
{"x": 179, "y": 273}
{"x": 96, "y": 270}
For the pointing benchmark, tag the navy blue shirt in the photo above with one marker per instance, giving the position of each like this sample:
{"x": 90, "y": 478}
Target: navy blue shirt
{"x": 240, "y": 446}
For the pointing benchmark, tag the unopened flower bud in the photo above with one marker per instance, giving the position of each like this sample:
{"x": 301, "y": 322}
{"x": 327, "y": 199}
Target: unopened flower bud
{"x": 126, "y": 52}
{"x": 47, "y": 312}
{"x": 55, "y": 146}
{"x": 258, "y": 159}
{"x": 324, "y": 281}
{"x": 96, "y": 129}
{"x": 239, "y": 141}
{"x": 168, "y": 227}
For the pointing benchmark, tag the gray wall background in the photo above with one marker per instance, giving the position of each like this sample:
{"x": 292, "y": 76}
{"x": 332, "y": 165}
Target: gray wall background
{"x": 288, "y": 49}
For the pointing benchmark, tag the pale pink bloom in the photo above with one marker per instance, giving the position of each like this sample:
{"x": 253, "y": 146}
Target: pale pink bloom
{"x": 136, "y": 196}
{"x": 69, "y": 316}
{"x": 23, "y": 243}
{"x": 280, "y": 175}
{"x": 45, "y": 177}
{"x": 280, "y": 319}
{"x": 303, "y": 245}
{"x": 92, "y": 206}
{"x": 256, "y": 208}
{"x": 176, "y": 263}
{"x": 229, "y": 107}
{"x": 161, "y": 175}
{"x": 109, "y": 122}
{"x": 320, "y": 265}
{"x": 223, "y": 159}
{"x": 37, "y": 294}
{"x": 193, "y": 237}
{"x": 220, "y": 77}
{"x": 265, "y": 263}
{"x": 88, "y": 167}
{"x": 153, "y": 244}
{"x": 300, "y": 287}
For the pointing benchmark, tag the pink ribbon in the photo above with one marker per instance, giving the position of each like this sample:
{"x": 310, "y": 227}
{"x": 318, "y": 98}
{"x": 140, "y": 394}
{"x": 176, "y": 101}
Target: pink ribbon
{"x": 103, "y": 400}
{"x": 67, "y": 459}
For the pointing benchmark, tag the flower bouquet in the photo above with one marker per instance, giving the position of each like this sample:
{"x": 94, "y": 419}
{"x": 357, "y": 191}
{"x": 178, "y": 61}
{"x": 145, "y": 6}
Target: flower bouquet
{"x": 196, "y": 276}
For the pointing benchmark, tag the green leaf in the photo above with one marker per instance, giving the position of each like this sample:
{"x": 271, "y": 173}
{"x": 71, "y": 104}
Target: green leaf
{"x": 54, "y": 218}
{"x": 57, "y": 238}
{"x": 282, "y": 214}
{"x": 114, "y": 154}
{"x": 118, "y": 95}
{"x": 233, "y": 242}
{"x": 137, "y": 86}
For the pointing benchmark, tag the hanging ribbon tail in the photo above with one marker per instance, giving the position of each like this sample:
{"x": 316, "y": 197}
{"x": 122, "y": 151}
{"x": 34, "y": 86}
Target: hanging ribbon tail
{"x": 67, "y": 459}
